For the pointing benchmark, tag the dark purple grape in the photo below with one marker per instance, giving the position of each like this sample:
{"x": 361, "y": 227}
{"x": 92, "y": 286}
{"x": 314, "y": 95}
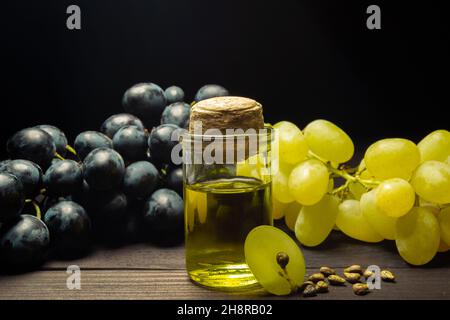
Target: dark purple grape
{"x": 174, "y": 180}
{"x": 131, "y": 143}
{"x": 109, "y": 213}
{"x": 140, "y": 180}
{"x": 11, "y": 197}
{"x": 109, "y": 208}
{"x": 32, "y": 144}
{"x": 29, "y": 174}
{"x": 117, "y": 121}
{"x": 177, "y": 113}
{"x": 131, "y": 231}
{"x": 83, "y": 195}
{"x": 63, "y": 178}
{"x": 103, "y": 169}
{"x": 70, "y": 228}
{"x": 164, "y": 217}
{"x": 146, "y": 101}
{"x": 59, "y": 138}
{"x": 210, "y": 91}
{"x": 174, "y": 94}
{"x": 24, "y": 243}
{"x": 87, "y": 141}
{"x": 161, "y": 141}
{"x": 48, "y": 202}
{"x": 4, "y": 163}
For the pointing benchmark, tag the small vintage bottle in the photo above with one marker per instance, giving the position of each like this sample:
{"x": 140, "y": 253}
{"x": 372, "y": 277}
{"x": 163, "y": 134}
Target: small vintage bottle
{"x": 227, "y": 164}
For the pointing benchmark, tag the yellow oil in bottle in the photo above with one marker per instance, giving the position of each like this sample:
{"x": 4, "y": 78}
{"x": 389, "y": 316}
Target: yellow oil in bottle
{"x": 218, "y": 216}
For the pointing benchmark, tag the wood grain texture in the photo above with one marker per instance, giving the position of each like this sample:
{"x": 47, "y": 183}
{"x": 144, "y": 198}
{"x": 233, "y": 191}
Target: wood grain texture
{"x": 337, "y": 251}
{"x": 174, "y": 284}
{"x": 143, "y": 271}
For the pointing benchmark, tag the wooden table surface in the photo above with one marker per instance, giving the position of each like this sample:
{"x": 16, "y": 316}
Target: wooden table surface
{"x": 142, "y": 271}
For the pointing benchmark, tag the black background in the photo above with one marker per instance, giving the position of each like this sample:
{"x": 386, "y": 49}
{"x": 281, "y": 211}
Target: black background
{"x": 301, "y": 59}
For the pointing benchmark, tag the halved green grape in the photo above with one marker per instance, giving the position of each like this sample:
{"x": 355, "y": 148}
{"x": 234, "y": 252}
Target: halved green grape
{"x": 291, "y": 213}
{"x": 292, "y": 145}
{"x": 435, "y": 146}
{"x": 380, "y": 222}
{"x": 263, "y": 247}
{"x": 308, "y": 182}
{"x": 278, "y": 209}
{"x": 392, "y": 158}
{"x": 352, "y": 222}
{"x": 431, "y": 181}
{"x": 444, "y": 224}
{"x": 280, "y": 187}
{"x": 395, "y": 197}
{"x": 328, "y": 141}
{"x": 314, "y": 223}
{"x": 417, "y": 236}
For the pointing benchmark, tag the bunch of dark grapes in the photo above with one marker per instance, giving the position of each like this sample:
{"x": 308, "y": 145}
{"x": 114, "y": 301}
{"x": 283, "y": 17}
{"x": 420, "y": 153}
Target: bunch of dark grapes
{"x": 115, "y": 186}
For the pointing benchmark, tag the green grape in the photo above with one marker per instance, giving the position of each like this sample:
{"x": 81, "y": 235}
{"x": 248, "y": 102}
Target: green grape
{"x": 443, "y": 247}
{"x": 366, "y": 175}
{"x": 328, "y": 141}
{"x": 362, "y": 165}
{"x": 250, "y": 167}
{"x": 352, "y": 222}
{"x": 392, "y": 158}
{"x": 280, "y": 187}
{"x": 292, "y": 144}
{"x": 261, "y": 248}
{"x": 278, "y": 209}
{"x": 314, "y": 223}
{"x": 356, "y": 189}
{"x": 291, "y": 213}
{"x": 418, "y": 236}
{"x": 330, "y": 185}
{"x": 380, "y": 222}
{"x": 431, "y": 181}
{"x": 395, "y": 197}
{"x": 435, "y": 146}
{"x": 308, "y": 182}
{"x": 444, "y": 224}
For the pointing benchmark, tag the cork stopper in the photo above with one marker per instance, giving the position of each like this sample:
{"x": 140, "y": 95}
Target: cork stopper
{"x": 227, "y": 113}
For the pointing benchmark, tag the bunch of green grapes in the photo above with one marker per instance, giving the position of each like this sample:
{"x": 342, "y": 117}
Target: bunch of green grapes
{"x": 400, "y": 191}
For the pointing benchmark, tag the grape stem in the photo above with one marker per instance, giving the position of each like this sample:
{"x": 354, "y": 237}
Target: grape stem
{"x": 344, "y": 173}
{"x": 60, "y": 157}
{"x": 36, "y": 207}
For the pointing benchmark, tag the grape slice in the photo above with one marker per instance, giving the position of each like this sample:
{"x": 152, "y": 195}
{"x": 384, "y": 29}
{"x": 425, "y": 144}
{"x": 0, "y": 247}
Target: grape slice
{"x": 261, "y": 248}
